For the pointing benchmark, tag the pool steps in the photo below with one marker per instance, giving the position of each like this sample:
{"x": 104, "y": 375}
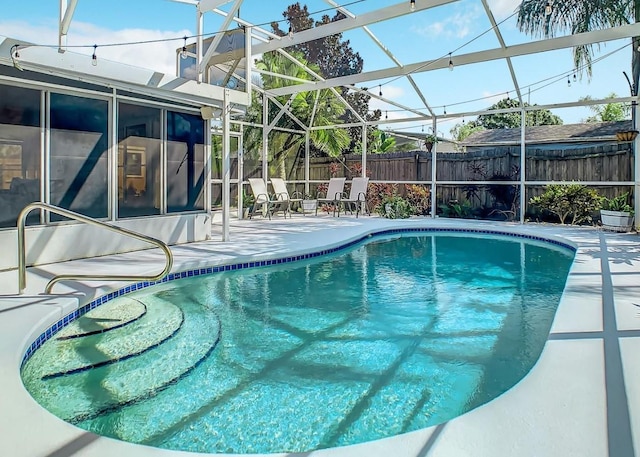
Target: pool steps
{"x": 112, "y": 345}
{"x": 137, "y": 357}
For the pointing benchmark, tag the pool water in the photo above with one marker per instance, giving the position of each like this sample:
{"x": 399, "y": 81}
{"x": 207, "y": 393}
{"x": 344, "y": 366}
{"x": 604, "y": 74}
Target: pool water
{"x": 386, "y": 337}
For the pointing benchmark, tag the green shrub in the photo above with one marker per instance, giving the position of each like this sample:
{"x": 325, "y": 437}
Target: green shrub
{"x": 619, "y": 203}
{"x": 395, "y": 207}
{"x": 419, "y": 196}
{"x": 378, "y": 191}
{"x": 457, "y": 209}
{"x": 247, "y": 200}
{"x": 574, "y": 201}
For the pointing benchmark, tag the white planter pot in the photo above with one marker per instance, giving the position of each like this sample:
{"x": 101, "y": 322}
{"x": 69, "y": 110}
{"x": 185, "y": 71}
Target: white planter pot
{"x": 309, "y": 205}
{"x": 618, "y": 221}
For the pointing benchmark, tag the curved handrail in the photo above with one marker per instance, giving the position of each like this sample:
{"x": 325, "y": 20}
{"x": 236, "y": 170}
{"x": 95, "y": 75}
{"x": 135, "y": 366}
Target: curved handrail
{"x": 22, "y": 268}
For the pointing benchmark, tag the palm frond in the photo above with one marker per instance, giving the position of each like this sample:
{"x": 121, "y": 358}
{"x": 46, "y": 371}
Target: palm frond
{"x": 575, "y": 16}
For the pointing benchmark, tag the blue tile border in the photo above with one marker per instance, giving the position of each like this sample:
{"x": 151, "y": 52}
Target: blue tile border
{"x": 57, "y": 326}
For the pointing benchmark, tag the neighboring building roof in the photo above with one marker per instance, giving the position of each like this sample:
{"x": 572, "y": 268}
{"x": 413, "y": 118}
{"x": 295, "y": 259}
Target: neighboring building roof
{"x": 569, "y": 133}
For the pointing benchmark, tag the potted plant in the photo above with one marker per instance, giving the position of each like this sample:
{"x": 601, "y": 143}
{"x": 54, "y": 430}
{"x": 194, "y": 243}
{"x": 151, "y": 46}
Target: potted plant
{"x": 616, "y": 213}
{"x": 309, "y": 204}
{"x": 305, "y": 202}
{"x": 429, "y": 141}
{"x": 247, "y": 203}
{"x": 395, "y": 207}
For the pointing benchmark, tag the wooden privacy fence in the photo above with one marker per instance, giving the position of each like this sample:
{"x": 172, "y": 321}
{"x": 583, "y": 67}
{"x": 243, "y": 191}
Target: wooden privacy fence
{"x": 611, "y": 162}
{"x": 601, "y": 163}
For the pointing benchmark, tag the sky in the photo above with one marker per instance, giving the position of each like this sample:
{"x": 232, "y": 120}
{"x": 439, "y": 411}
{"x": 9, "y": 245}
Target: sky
{"x": 456, "y": 28}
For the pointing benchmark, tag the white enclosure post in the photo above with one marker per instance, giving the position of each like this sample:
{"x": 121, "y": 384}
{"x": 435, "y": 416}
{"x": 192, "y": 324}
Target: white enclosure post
{"x": 265, "y": 135}
{"x": 199, "y": 31}
{"x": 433, "y": 169}
{"x": 364, "y": 150}
{"x": 226, "y": 165}
{"x": 62, "y": 37}
{"x": 636, "y": 171}
{"x": 523, "y": 162}
{"x": 307, "y": 160}
{"x": 240, "y": 173}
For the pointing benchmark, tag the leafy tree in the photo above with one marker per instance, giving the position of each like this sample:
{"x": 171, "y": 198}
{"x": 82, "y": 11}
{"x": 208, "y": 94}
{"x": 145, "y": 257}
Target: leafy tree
{"x": 610, "y": 112}
{"x": 574, "y": 17}
{"x": 334, "y": 57}
{"x": 461, "y": 131}
{"x": 512, "y": 120}
{"x": 322, "y": 105}
{"x": 359, "y": 101}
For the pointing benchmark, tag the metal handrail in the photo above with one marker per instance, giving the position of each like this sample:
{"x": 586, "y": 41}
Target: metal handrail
{"x": 22, "y": 268}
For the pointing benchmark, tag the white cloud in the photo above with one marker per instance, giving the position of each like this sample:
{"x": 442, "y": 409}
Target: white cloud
{"x": 390, "y": 93}
{"x": 158, "y": 56}
{"x": 458, "y": 25}
{"x": 492, "y": 98}
{"x": 434, "y": 29}
{"x": 20, "y": 30}
{"x": 503, "y": 8}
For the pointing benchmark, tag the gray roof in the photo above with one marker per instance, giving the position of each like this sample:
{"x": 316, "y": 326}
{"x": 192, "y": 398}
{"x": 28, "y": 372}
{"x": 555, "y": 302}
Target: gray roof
{"x": 596, "y": 131}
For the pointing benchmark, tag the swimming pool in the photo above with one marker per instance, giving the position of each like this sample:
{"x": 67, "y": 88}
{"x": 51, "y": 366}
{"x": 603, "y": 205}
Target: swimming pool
{"x": 384, "y": 355}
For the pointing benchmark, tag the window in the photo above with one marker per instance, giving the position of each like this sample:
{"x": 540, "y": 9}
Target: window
{"x": 19, "y": 152}
{"x": 79, "y": 144}
{"x": 138, "y": 160}
{"x": 185, "y": 162}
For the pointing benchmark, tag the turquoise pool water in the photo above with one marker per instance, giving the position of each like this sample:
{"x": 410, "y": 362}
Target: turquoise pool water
{"x": 386, "y": 337}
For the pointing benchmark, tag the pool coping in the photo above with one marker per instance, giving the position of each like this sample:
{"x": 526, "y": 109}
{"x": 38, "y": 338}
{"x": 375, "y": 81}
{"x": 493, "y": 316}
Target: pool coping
{"x": 469, "y": 434}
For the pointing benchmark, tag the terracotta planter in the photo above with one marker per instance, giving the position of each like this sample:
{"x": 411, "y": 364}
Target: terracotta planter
{"x": 618, "y": 221}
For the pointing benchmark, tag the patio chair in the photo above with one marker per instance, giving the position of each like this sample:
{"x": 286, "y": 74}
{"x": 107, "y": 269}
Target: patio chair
{"x": 333, "y": 195}
{"x": 281, "y": 193}
{"x": 264, "y": 203}
{"x": 357, "y": 197}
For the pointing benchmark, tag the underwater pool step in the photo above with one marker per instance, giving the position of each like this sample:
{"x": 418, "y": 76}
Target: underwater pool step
{"x": 88, "y": 393}
{"x": 198, "y": 391}
{"x": 110, "y": 316}
{"x": 94, "y": 349}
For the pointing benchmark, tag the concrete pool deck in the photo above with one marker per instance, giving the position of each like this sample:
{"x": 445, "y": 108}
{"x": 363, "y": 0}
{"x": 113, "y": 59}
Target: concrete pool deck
{"x": 582, "y": 398}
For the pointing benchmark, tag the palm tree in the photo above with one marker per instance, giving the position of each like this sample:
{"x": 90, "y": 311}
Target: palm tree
{"x": 611, "y": 112}
{"x": 382, "y": 143}
{"x": 546, "y": 18}
{"x": 328, "y": 110}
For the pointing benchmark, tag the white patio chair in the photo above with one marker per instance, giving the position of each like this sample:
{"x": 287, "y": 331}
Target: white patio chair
{"x": 282, "y": 194}
{"x": 333, "y": 195}
{"x": 357, "y": 197}
{"x": 264, "y": 203}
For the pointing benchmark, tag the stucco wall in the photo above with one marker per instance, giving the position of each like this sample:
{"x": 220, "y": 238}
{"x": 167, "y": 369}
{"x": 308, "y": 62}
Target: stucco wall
{"x": 69, "y": 241}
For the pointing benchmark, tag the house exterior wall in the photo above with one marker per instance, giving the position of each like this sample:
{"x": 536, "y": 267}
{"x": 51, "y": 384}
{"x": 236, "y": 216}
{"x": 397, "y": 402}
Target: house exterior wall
{"x": 65, "y": 142}
{"x": 70, "y": 241}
